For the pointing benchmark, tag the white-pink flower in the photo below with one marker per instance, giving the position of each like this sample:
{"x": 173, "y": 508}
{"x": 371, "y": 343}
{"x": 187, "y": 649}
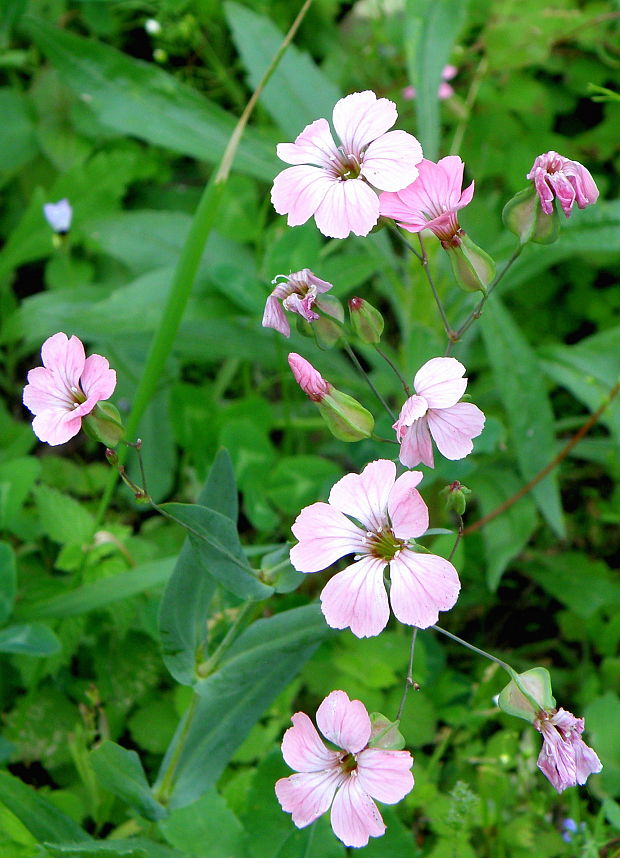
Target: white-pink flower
{"x": 298, "y": 292}
{"x": 347, "y": 780}
{"x": 66, "y": 388}
{"x": 374, "y": 516}
{"x": 565, "y": 759}
{"x": 332, "y": 182}
{"x": 432, "y": 201}
{"x": 569, "y": 181}
{"x": 444, "y": 91}
{"x": 435, "y": 411}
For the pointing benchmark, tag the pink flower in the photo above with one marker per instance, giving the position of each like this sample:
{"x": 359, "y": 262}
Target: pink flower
{"x": 333, "y": 183}
{"x": 564, "y": 759}
{"x": 308, "y": 378}
{"x": 432, "y": 201}
{"x": 444, "y": 91}
{"x": 298, "y": 292}
{"x": 435, "y": 411}
{"x": 348, "y": 779}
{"x": 390, "y": 512}
{"x": 569, "y": 181}
{"x": 66, "y": 388}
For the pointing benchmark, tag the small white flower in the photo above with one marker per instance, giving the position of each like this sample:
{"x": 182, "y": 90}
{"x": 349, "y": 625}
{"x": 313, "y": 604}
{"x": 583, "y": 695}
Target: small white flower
{"x": 58, "y": 215}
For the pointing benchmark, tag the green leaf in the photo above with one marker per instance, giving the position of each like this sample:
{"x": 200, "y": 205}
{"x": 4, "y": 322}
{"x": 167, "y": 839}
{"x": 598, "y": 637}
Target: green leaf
{"x": 214, "y": 537}
{"x": 136, "y": 98}
{"x": 8, "y": 581}
{"x": 42, "y": 819}
{"x": 100, "y": 849}
{"x": 430, "y": 32}
{"x": 507, "y": 535}
{"x": 253, "y": 672}
{"x": 564, "y": 577}
{"x": 522, "y": 391}
{"x": 298, "y": 92}
{"x": 207, "y": 828}
{"x": 120, "y": 771}
{"x": 17, "y": 476}
{"x": 29, "y": 639}
{"x": 602, "y": 717}
{"x": 63, "y": 519}
{"x": 105, "y": 591}
{"x": 20, "y": 143}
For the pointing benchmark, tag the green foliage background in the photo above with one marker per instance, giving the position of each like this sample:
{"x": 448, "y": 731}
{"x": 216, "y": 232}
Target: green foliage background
{"x": 129, "y": 126}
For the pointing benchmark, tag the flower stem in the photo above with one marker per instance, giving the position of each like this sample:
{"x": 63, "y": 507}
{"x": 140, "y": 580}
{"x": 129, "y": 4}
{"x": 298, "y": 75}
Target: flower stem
{"x": 395, "y": 369}
{"x": 450, "y": 333}
{"x": 459, "y": 536}
{"x": 409, "y": 681}
{"x": 162, "y": 793}
{"x": 366, "y": 377}
{"x": 206, "y": 668}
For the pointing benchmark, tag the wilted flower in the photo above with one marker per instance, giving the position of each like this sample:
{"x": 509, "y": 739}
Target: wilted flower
{"x": 59, "y": 215}
{"x": 347, "y": 780}
{"x": 432, "y": 200}
{"x": 332, "y": 182}
{"x": 569, "y": 181}
{"x": 390, "y": 513}
{"x": 435, "y": 411}
{"x": 298, "y": 293}
{"x": 444, "y": 91}
{"x": 66, "y": 388}
{"x": 564, "y": 759}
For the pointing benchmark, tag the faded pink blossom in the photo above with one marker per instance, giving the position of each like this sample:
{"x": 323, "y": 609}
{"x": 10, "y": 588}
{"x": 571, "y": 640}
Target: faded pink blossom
{"x": 308, "y": 378}
{"x": 66, "y": 388}
{"x": 569, "y": 181}
{"x": 390, "y": 513}
{"x": 298, "y": 293}
{"x": 435, "y": 411}
{"x": 332, "y": 182}
{"x": 564, "y": 759}
{"x": 347, "y": 780}
{"x": 444, "y": 91}
{"x": 432, "y": 201}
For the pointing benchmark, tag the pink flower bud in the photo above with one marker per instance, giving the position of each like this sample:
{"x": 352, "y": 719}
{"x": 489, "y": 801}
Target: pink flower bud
{"x": 308, "y": 378}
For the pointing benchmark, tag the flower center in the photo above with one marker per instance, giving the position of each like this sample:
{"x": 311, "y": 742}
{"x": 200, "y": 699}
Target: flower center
{"x": 348, "y": 166}
{"x": 348, "y": 763}
{"x": 383, "y": 544}
{"x": 77, "y": 395}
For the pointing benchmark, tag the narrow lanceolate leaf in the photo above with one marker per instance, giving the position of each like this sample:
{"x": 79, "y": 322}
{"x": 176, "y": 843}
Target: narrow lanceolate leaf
{"x": 8, "y": 581}
{"x": 42, "y": 819}
{"x": 120, "y": 771}
{"x": 298, "y": 91}
{"x": 256, "y": 668}
{"x": 135, "y": 847}
{"x": 29, "y": 639}
{"x": 136, "y": 98}
{"x": 521, "y": 386}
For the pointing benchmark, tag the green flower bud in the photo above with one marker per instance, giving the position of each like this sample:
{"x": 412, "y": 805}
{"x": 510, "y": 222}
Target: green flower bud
{"x": 346, "y": 419}
{"x": 455, "y": 496}
{"x": 472, "y": 267}
{"x": 523, "y": 216}
{"x": 385, "y": 733}
{"x": 536, "y": 683}
{"x": 366, "y": 321}
{"x": 104, "y": 424}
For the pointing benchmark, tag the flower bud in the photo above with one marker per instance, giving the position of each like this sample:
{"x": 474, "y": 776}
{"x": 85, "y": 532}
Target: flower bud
{"x": 308, "y": 378}
{"x": 104, "y": 424}
{"x": 472, "y": 267}
{"x": 346, "y": 419}
{"x": 366, "y": 321}
{"x": 527, "y": 694}
{"x": 523, "y": 216}
{"x": 455, "y": 496}
{"x": 384, "y": 733}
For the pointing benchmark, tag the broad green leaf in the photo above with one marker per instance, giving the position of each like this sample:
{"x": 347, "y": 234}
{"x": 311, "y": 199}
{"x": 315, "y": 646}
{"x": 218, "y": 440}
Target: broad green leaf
{"x": 507, "y": 535}
{"x": 29, "y": 639}
{"x": 253, "y": 672}
{"x": 139, "y": 99}
{"x": 17, "y": 476}
{"x": 298, "y": 92}
{"x": 430, "y": 32}
{"x": 41, "y": 817}
{"x": 20, "y": 144}
{"x": 530, "y": 418}
{"x": 207, "y": 828}
{"x": 63, "y": 519}
{"x": 8, "y": 581}
{"x": 602, "y": 717}
{"x": 143, "y": 239}
{"x": 564, "y": 576}
{"x": 214, "y": 537}
{"x": 120, "y": 771}
{"x": 105, "y": 591}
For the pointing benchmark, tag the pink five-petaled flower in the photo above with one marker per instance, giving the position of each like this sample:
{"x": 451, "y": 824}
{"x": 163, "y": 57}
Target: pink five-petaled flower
{"x": 435, "y": 410}
{"x": 332, "y": 182}
{"x": 564, "y": 759}
{"x": 390, "y": 512}
{"x": 432, "y": 201}
{"x": 298, "y": 292}
{"x": 569, "y": 181}
{"x": 66, "y": 388}
{"x": 347, "y": 779}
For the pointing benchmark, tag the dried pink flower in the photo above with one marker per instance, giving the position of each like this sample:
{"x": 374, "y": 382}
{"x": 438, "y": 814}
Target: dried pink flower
{"x": 298, "y": 293}
{"x": 569, "y": 181}
{"x": 564, "y": 759}
{"x": 347, "y": 780}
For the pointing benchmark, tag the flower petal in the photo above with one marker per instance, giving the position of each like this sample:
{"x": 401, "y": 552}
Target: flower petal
{"x": 299, "y": 191}
{"x": 65, "y": 357}
{"x": 56, "y": 426}
{"x": 408, "y": 512}
{"x": 348, "y": 205}
{"x": 439, "y": 382}
{"x": 325, "y": 535}
{"x": 274, "y": 317}
{"x": 389, "y": 163}
{"x": 315, "y": 145}
{"x": 422, "y": 585}
{"x": 360, "y": 118}
{"x": 308, "y": 795}
{"x": 344, "y": 722}
{"x": 365, "y": 496}
{"x": 355, "y": 598}
{"x": 303, "y": 749}
{"x": 385, "y": 775}
{"x": 97, "y": 381}
{"x": 354, "y": 816}
{"x": 453, "y": 428}
{"x": 45, "y": 390}
{"x": 416, "y": 446}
